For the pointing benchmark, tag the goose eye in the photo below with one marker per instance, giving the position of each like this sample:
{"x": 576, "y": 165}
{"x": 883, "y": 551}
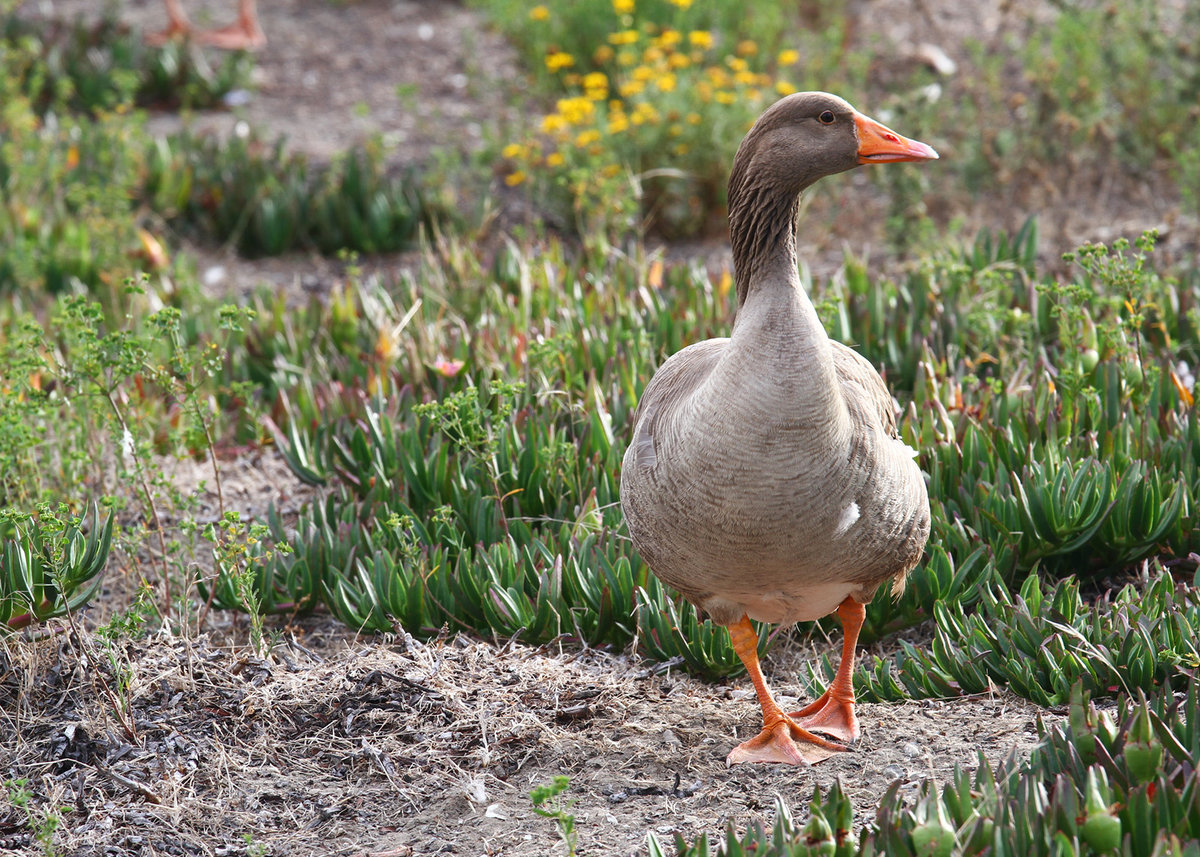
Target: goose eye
{"x": 826, "y": 117}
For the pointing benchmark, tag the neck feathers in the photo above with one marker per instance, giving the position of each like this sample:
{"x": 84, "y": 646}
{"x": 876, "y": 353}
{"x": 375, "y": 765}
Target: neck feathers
{"x": 762, "y": 231}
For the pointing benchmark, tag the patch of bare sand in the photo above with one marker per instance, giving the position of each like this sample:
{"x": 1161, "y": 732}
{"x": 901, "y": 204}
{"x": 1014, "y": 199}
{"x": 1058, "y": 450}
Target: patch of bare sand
{"x": 337, "y": 746}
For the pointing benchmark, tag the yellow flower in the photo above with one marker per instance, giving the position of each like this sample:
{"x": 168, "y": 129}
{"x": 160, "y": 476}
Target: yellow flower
{"x": 539, "y": 13}
{"x": 643, "y": 73}
{"x": 625, "y": 37}
{"x": 788, "y": 57}
{"x": 630, "y": 88}
{"x": 558, "y": 61}
{"x": 718, "y": 76}
{"x": 513, "y": 150}
{"x": 652, "y": 55}
{"x": 784, "y": 88}
{"x": 736, "y": 63}
{"x": 675, "y": 130}
{"x": 595, "y": 86}
{"x": 644, "y": 113}
{"x": 678, "y": 61}
{"x": 617, "y": 122}
{"x": 694, "y": 119}
{"x": 681, "y": 148}
{"x": 724, "y": 97}
{"x": 611, "y": 171}
{"x": 669, "y": 38}
{"x": 626, "y": 58}
{"x": 515, "y": 178}
{"x": 553, "y": 123}
{"x": 666, "y": 83}
{"x": 682, "y": 4}
{"x": 602, "y": 55}
{"x": 746, "y": 78}
{"x": 555, "y": 159}
{"x": 575, "y": 110}
{"x": 701, "y": 38}
{"x": 623, "y": 7}
{"x": 586, "y": 138}
{"x": 746, "y": 48}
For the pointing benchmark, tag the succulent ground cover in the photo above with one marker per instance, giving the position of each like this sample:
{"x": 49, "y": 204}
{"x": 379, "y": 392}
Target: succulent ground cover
{"x": 437, "y": 587}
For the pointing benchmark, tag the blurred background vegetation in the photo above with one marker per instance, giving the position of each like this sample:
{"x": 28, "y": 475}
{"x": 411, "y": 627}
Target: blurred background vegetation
{"x": 464, "y": 416}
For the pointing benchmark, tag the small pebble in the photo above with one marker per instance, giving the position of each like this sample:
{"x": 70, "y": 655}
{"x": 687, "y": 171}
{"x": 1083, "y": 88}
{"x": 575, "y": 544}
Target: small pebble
{"x": 893, "y": 772}
{"x": 912, "y": 750}
{"x": 237, "y": 98}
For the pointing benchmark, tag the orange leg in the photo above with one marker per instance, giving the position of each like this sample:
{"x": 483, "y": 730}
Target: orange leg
{"x": 178, "y": 25}
{"x": 245, "y": 35}
{"x": 833, "y": 712}
{"x": 781, "y": 740}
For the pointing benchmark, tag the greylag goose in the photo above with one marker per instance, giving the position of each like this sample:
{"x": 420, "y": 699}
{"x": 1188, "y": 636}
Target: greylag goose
{"x": 243, "y": 35}
{"x": 765, "y": 478}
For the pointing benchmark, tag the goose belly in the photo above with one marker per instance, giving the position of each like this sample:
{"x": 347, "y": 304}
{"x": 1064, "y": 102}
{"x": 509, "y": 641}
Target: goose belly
{"x": 788, "y": 545}
{"x": 783, "y": 559}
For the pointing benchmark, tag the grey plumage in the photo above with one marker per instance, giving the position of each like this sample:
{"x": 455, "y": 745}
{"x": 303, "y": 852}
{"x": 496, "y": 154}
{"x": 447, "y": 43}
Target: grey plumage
{"x": 765, "y": 475}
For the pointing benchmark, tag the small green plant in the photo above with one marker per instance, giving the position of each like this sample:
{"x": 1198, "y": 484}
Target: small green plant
{"x": 104, "y": 66}
{"x": 827, "y": 833}
{"x": 549, "y": 802}
{"x": 43, "y": 822}
{"x": 52, "y": 565}
{"x": 65, "y": 217}
{"x": 126, "y": 381}
{"x": 241, "y": 553}
{"x": 255, "y": 849}
{"x": 270, "y": 201}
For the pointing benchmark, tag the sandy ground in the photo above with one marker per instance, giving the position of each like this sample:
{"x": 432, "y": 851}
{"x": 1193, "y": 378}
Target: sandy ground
{"x": 390, "y": 746}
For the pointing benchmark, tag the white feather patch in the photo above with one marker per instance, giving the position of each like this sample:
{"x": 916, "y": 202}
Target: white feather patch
{"x": 849, "y": 515}
{"x": 647, "y": 458}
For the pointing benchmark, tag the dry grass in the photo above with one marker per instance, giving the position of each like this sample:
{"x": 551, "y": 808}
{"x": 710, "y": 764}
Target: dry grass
{"x": 334, "y": 745}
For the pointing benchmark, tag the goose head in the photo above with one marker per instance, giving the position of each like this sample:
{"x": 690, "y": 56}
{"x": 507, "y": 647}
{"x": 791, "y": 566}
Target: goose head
{"x": 798, "y": 140}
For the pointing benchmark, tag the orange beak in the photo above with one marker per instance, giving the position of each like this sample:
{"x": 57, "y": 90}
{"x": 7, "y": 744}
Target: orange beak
{"x": 879, "y": 144}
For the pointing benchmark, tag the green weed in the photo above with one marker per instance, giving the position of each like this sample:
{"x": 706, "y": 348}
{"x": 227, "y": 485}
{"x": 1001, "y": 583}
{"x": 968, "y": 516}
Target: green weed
{"x": 268, "y": 201}
{"x": 104, "y": 66}
{"x": 44, "y": 822}
{"x": 548, "y": 802}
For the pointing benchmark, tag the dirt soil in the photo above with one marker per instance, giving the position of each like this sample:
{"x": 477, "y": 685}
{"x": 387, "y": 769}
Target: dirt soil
{"x": 335, "y": 744}
{"x": 390, "y": 746}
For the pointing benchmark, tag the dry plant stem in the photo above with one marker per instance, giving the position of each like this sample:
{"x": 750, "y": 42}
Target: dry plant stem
{"x": 212, "y": 591}
{"x": 141, "y": 788}
{"x": 141, "y": 472}
{"x": 212, "y": 457}
{"x": 76, "y": 636}
{"x": 1137, "y": 342}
